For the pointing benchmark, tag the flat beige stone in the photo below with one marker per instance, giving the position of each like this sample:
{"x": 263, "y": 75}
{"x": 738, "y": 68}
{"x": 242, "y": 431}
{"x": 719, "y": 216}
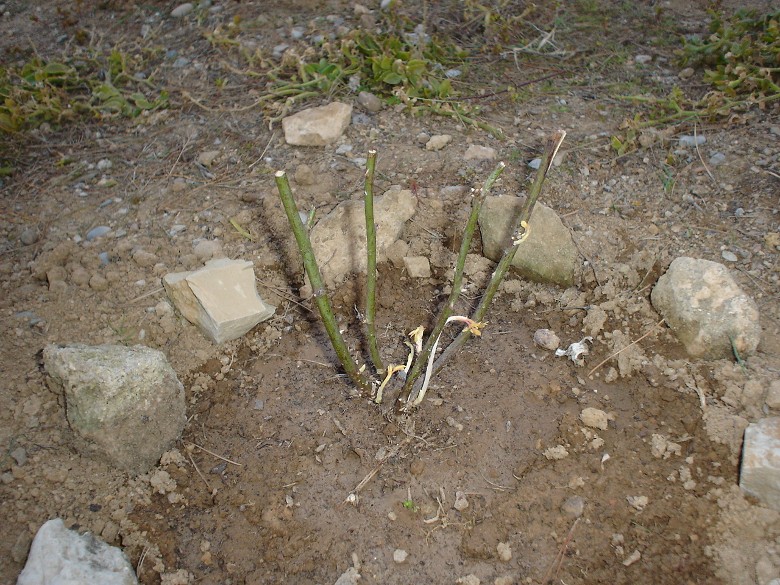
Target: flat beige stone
{"x": 221, "y": 298}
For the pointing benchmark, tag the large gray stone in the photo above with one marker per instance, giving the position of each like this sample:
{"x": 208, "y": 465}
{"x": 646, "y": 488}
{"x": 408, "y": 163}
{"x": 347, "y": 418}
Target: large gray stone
{"x": 339, "y": 239}
{"x": 547, "y": 255}
{"x": 760, "y": 473}
{"x": 59, "y": 556}
{"x": 317, "y": 126}
{"x": 706, "y": 309}
{"x": 124, "y": 404}
{"x": 221, "y": 298}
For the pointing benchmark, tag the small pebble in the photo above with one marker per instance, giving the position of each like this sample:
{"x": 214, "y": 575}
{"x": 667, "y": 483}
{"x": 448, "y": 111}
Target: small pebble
{"x": 461, "y": 503}
{"x": 729, "y": 256}
{"x": 400, "y": 555}
{"x": 574, "y": 506}
{"x": 104, "y": 164}
{"x": 97, "y": 232}
{"x": 535, "y": 163}
{"x": 20, "y": 456}
{"x": 182, "y": 10}
{"x": 504, "y": 552}
{"x": 595, "y": 418}
{"x": 546, "y": 339}
{"x": 717, "y": 158}
{"x": 208, "y": 249}
{"x": 643, "y": 59}
{"x": 477, "y": 152}
{"x": 417, "y": 467}
{"x": 437, "y": 142}
{"x": 688, "y": 140}
{"x": 98, "y": 282}
{"x": 638, "y": 502}
{"x": 208, "y": 157}
{"x": 29, "y": 236}
{"x": 686, "y": 73}
{"x": 369, "y": 102}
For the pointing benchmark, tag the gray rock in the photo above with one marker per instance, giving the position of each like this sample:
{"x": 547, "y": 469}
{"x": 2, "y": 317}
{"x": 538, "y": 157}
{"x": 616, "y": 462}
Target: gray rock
{"x": 369, "y": 101}
{"x": 760, "y": 472}
{"x": 221, "y": 298}
{"x": 573, "y": 506}
{"x": 339, "y": 239}
{"x": 125, "y": 404}
{"x": 546, "y": 339}
{"x": 182, "y": 10}
{"x": 317, "y": 126}
{"x": 477, "y": 152}
{"x": 97, "y": 232}
{"x": 717, "y": 158}
{"x": 29, "y": 236}
{"x": 547, "y": 255}
{"x": 19, "y": 455}
{"x": 65, "y": 557}
{"x": 208, "y": 249}
{"x": 706, "y": 309}
{"x": 688, "y": 140}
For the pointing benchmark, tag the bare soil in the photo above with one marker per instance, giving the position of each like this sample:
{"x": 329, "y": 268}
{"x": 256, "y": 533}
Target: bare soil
{"x": 258, "y": 490}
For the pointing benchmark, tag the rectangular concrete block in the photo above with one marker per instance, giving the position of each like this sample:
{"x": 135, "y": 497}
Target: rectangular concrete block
{"x": 221, "y": 298}
{"x": 760, "y": 473}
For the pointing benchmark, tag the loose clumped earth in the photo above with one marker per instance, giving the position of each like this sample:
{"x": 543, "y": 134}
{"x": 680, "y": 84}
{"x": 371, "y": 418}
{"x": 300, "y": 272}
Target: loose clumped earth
{"x": 497, "y": 478}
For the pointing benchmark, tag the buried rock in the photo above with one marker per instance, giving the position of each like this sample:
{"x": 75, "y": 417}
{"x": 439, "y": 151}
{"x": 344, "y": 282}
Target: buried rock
{"x": 547, "y": 255}
{"x": 707, "y": 311}
{"x": 339, "y": 239}
{"x": 65, "y": 557}
{"x": 124, "y": 404}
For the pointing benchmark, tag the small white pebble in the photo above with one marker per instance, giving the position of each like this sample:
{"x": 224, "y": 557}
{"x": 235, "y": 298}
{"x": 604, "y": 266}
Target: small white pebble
{"x": 504, "y": 552}
{"x": 399, "y": 555}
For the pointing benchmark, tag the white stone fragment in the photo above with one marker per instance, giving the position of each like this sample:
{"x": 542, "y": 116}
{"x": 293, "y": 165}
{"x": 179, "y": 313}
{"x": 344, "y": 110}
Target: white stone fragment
{"x": 595, "y": 418}
{"x": 638, "y": 502}
{"x": 461, "y": 503}
{"x": 504, "y": 552}
{"x": 317, "y": 126}
{"x": 760, "y": 472}
{"x": 438, "y": 141}
{"x": 400, "y": 555}
{"x": 555, "y": 453}
{"x": 65, "y": 557}
{"x": 221, "y": 298}
{"x": 632, "y": 558}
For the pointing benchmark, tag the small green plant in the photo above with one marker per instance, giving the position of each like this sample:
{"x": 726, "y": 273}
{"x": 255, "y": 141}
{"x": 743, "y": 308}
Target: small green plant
{"x": 422, "y": 356}
{"x": 741, "y": 57}
{"x": 409, "y": 505}
{"x": 410, "y": 68}
{"x": 56, "y": 92}
{"x": 741, "y": 54}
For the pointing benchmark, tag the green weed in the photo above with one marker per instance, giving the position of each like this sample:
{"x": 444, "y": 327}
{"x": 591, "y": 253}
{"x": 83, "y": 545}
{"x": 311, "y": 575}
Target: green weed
{"x": 741, "y": 55}
{"x": 56, "y": 92}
